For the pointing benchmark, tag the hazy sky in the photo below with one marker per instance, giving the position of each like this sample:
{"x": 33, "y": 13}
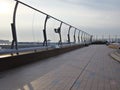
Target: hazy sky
{"x": 97, "y": 17}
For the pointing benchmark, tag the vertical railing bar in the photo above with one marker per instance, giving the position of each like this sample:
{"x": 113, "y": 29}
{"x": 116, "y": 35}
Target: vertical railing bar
{"x": 82, "y": 37}
{"x": 79, "y": 36}
{"x": 44, "y": 31}
{"x": 69, "y": 34}
{"x": 13, "y": 27}
{"x": 60, "y": 42}
{"x": 74, "y": 35}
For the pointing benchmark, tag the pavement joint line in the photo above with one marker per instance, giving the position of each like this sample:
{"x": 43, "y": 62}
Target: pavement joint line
{"x": 82, "y": 71}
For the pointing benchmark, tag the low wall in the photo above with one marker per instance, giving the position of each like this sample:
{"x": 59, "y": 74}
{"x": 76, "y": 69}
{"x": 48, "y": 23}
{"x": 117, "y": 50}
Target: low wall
{"x": 15, "y": 61}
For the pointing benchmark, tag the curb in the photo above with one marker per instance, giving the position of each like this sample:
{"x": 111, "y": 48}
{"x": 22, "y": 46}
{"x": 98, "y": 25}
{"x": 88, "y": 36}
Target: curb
{"x": 115, "y": 56}
{"x": 20, "y": 60}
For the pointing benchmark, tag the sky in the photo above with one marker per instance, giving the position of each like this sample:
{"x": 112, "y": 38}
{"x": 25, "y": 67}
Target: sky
{"x": 96, "y": 17}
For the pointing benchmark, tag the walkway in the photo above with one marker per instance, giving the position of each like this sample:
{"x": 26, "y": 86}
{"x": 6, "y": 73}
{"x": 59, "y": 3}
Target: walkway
{"x": 89, "y": 68}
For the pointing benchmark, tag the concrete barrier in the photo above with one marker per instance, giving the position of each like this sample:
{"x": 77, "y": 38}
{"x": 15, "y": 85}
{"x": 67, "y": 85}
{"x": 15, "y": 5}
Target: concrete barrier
{"x": 15, "y": 61}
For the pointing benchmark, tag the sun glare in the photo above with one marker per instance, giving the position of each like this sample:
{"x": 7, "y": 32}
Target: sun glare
{"x": 4, "y": 7}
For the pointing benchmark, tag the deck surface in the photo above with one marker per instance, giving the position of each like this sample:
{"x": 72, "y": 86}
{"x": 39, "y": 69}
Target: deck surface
{"x": 89, "y": 68}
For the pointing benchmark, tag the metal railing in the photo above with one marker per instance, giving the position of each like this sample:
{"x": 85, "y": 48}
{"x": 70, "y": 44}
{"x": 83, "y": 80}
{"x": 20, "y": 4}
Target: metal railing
{"x": 83, "y": 36}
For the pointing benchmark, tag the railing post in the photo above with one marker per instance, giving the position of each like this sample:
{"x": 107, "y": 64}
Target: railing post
{"x": 85, "y": 38}
{"x": 58, "y": 30}
{"x": 82, "y": 36}
{"x": 74, "y": 36}
{"x": 44, "y": 31}
{"x": 88, "y": 38}
{"x": 60, "y": 42}
{"x": 69, "y": 34}
{"x": 13, "y": 27}
{"x": 79, "y": 36}
{"x": 91, "y": 38}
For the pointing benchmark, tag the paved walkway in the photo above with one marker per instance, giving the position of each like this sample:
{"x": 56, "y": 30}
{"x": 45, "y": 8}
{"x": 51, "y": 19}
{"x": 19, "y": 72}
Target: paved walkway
{"x": 115, "y": 55}
{"x": 89, "y": 68}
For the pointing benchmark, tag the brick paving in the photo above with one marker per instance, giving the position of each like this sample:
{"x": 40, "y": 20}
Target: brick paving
{"x": 89, "y": 68}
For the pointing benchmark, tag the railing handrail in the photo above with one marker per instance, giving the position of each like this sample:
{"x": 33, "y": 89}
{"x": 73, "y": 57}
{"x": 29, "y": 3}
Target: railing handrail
{"x": 45, "y": 13}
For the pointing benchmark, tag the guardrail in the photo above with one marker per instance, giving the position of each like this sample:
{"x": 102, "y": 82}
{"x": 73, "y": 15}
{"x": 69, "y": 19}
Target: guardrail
{"x": 23, "y": 50}
{"x": 83, "y": 36}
